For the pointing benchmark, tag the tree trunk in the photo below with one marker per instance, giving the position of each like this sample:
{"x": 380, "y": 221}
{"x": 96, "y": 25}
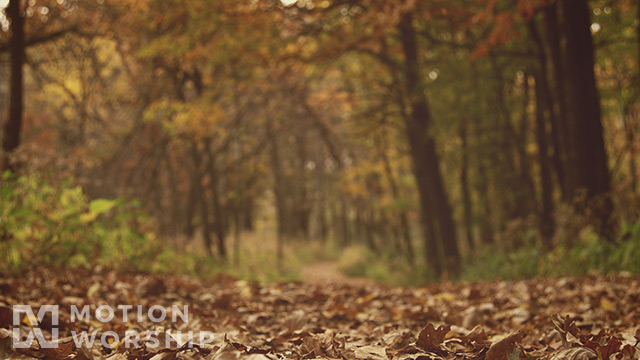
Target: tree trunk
{"x": 542, "y": 108}
{"x": 631, "y": 132}
{"x": 278, "y": 191}
{"x": 514, "y": 148}
{"x": 237, "y": 235}
{"x": 464, "y": 185}
{"x": 433, "y": 196}
{"x": 13, "y": 126}
{"x": 548, "y": 106}
{"x": 247, "y": 213}
{"x": 395, "y": 191}
{"x": 344, "y": 221}
{"x": 487, "y": 232}
{"x": 192, "y": 200}
{"x": 558, "y": 124}
{"x": 218, "y": 213}
{"x": 587, "y": 171}
{"x": 204, "y": 206}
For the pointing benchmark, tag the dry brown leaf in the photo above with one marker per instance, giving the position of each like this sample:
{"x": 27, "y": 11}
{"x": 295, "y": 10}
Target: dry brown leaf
{"x": 371, "y": 353}
{"x": 504, "y": 347}
{"x": 431, "y": 338}
{"x": 577, "y": 353}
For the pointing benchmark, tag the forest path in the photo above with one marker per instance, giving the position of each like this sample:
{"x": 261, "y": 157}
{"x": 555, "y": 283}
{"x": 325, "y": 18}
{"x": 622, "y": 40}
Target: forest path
{"x": 327, "y": 272}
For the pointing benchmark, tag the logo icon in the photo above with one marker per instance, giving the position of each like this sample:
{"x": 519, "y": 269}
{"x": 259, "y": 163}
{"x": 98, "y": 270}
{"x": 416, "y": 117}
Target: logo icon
{"x": 35, "y": 331}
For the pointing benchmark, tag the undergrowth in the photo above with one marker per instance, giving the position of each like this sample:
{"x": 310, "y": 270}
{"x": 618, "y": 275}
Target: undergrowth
{"x": 58, "y": 225}
{"x": 589, "y": 254}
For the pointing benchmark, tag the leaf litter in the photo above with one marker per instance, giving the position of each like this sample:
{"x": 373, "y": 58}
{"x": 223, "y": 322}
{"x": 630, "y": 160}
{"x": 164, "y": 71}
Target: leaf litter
{"x": 583, "y": 318}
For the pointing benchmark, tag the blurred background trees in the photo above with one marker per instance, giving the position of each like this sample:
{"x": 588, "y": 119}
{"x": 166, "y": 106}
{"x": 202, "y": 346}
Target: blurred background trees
{"x": 432, "y": 134}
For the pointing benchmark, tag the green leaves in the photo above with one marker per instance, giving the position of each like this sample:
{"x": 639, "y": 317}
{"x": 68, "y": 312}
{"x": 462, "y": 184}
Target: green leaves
{"x": 100, "y": 206}
{"x": 57, "y": 224}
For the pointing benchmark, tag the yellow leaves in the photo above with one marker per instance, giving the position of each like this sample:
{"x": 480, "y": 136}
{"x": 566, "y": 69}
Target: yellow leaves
{"x": 71, "y": 203}
{"x": 245, "y": 289}
{"x": 445, "y": 297}
{"x": 607, "y": 305}
{"x": 30, "y": 321}
{"x": 97, "y": 207}
{"x": 198, "y": 119}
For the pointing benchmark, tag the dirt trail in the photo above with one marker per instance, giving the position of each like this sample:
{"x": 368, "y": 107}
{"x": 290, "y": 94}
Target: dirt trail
{"x": 327, "y": 272}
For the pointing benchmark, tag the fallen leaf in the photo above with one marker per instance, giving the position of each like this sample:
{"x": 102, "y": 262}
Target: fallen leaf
{"x": 431, "y": 338}
{"x": 371, "y": 353}
{"x": 501, "y": 349}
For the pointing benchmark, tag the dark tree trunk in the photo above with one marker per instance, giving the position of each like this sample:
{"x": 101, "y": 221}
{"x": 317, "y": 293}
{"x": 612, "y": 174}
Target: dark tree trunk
{"x": 586, "y": 160}
{"x": 176, "y": 203}
{"x": 323, "y": 228}
{"x": 200, "y": 193}
{"x": 247, "y": 213}
{"x": 344, "y": 220}
{"x": 464, "y": 185}
{"x": 482, "y": 187}
{"x": 237, "y": 235}
{"x": 487, "y": 232}
{"x": 433, "y": 196}
{"x": 13, "y": 126}
{"x": 369, "y": 231}
{"x": 558, "y": 124}
{"x": 627, "y": 120}
{"x": 403, "y": 217}
{"x": 545, "y": 103}
{"x": 542, "y": 108}
{"x": 218, "y": 213}
{"x": 518, "y": 177}
{"x": 191, "y": 205}
{"x": 278, "y": 191}
{"x": 301, "y": 200}
{"x": 633, "y": 169}
{"x": 357, "y": 223}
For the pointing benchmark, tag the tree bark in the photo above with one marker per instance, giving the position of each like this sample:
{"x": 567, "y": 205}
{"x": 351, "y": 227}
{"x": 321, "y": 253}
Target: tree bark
{"x": 13, "y": 126}
{"x": 433, "y": 196}
{"x": 556, "y": 73}
{"x": 464, "y": 185}
{"x": 548, "y": 105}
{"x": 204, "y": 206}
{"x": 220, "y": 227}
{"x": 586, "y": 160}
{"x": 404, "y": 219}
{"x": 542, "y": 108}
{"x": 518, "y": 176}
{"x": 344, "y": 221}
{"x": 278, "y": 191}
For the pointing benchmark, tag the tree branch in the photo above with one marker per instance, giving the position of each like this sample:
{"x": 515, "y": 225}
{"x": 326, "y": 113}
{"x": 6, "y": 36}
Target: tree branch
{"x": 4, "y": 47}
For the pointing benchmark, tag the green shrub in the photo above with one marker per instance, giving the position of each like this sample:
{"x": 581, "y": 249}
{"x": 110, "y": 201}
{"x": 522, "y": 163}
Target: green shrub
{"x": 589, "y": 253}
{"x": 57, "y": 225}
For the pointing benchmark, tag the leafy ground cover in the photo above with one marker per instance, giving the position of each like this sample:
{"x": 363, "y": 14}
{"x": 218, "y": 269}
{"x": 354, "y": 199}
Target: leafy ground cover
{"x": 588, "y": 317}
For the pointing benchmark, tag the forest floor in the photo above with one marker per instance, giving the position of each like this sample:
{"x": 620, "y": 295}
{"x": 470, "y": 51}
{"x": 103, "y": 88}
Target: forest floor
{"x": 328, "y": 316}
{"x": 327, "y": 273}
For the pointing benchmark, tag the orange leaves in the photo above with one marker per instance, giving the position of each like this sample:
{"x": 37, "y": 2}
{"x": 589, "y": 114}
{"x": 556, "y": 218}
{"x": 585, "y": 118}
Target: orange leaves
{"x": 503, "y": 23}
{"x": 502, "y": 32}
